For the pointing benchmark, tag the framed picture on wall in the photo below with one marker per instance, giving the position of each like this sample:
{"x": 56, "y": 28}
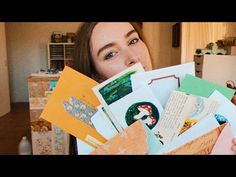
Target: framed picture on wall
{"x": 176, "y": 35}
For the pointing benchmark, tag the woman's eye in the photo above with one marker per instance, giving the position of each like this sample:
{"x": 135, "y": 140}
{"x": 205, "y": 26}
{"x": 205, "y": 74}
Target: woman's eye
{"x": 109, "y": 55}
{"x": 133, "y": 41}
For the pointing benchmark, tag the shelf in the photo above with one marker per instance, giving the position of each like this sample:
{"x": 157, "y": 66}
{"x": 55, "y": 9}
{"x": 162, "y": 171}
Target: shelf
{"x": 57, "y": 59}
{"x": 60, "y": 55}
{"x": 64, "y": 43}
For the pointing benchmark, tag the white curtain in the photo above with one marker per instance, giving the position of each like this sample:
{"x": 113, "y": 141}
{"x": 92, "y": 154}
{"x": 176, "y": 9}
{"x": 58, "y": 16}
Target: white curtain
{"x": 198, "y": 35}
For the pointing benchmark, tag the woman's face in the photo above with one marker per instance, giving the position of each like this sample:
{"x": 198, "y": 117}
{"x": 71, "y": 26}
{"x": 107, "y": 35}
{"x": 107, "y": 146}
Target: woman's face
{"x": 115, "y": 47}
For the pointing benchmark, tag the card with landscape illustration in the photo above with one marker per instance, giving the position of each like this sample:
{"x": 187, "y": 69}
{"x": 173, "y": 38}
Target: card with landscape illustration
{"x": 117, "y": 86}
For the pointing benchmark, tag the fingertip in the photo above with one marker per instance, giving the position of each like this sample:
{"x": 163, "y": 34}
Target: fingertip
{"x": 234, "y": 141}
{"x": 233, "y": 148}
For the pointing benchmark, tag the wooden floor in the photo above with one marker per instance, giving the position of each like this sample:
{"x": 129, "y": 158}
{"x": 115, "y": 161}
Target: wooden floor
{"x": 13, "y": 126}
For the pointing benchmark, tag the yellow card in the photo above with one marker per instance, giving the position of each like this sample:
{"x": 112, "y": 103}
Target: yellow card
{"x": 74, "y": 92}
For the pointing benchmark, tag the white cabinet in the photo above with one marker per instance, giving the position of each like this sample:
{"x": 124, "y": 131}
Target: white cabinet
{"x": 60, "y": 55}
{"x": 216, "y": 68}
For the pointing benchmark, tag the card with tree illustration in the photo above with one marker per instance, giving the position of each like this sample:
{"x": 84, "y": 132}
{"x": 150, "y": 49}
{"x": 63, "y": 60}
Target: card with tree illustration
{"x": 117, "y": 86}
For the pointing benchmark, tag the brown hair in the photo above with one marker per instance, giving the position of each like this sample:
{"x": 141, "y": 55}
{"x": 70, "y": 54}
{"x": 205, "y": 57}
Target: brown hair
{"x": 82, "y": 55}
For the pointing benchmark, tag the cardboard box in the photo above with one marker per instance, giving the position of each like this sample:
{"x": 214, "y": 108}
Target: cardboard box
{"x": 231, "y": 50}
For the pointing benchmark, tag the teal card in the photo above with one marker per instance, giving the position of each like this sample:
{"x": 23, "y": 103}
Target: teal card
{"x": 201, "y": 87}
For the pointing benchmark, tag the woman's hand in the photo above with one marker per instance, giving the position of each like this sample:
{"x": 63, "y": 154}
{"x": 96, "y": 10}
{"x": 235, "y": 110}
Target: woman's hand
{"x": 234, "y": 99}
{"x": 234, "y": 145}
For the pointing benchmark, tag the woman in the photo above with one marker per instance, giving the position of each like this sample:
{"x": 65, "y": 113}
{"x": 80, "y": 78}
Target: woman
{"x": 104, "y": 49}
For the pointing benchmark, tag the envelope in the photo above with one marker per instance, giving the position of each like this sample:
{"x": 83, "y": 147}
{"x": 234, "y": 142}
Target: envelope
{"x": 226, "y": 110}
{"x": 74, "y": 92}
{"x": 137, "y": 139}
{"x": 202, "y": 145}
{"x": 224, "y": 142}
{"x": 202, "y": 127}
{"x": 163, "y": 81}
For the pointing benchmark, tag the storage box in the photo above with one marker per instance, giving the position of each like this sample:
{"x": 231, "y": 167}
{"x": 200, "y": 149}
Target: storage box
{"x": 231, "y": 50}
{"x": 198, "y": 59}
{"x": 47, "y": 139}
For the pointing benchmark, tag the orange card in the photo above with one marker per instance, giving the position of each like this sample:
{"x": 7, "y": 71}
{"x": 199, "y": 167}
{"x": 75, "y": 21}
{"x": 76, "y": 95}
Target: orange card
{"x": 77, "y": 87}
{"x": 133, "y": 140}
{"x": 137, "y": 139}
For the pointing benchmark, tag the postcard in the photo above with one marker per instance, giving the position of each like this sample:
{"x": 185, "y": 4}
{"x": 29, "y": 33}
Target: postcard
{"x": 202, "y": 145}
{"x": 204, "y": 126}
{"x": 201, "y": 87}
{"x": 72, "y": 104}
{"x": 83, "y": 148}
{"x": 163, "y": 81}
{"x": 226, "y": 110}
{"x": 109, "y": 116}
{"x": 224, "y": 142}
{"x": 182, "y": 112}
{"x": 137, "y": 139}
{"x": 53, "y": 84}
{"x": 103, "y": 124}
{"x": 140, "y": 104}
{"x": 117, "y": 86}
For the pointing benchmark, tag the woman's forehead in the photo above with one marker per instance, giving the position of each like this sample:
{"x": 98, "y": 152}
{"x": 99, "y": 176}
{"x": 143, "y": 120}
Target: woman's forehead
{"x": 112, "y": 27}
{"x": 107, "y": 32}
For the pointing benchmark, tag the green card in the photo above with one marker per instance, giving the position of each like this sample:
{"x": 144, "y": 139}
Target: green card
{"x": 201, "y": 87}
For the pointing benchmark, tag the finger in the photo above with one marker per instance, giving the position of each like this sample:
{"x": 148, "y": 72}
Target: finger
{"x": 233, "y": 148}
{"x": 234, "y": 141}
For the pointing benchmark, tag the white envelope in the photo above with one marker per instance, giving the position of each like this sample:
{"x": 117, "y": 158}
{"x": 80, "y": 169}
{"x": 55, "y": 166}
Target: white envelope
{"x": 83, "y": 148}
{"x": 204, "y": 126}
{"x": 163, "y": 81}
{"x": 103, "y": 125}
{"x": 226, "y": 109}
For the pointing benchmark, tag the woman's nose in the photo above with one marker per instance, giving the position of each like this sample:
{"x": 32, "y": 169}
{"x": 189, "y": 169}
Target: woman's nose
{"x": 131, "y": 58}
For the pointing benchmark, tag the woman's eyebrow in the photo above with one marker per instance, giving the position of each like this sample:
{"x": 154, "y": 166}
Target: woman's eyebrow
{"x": 105, "y": 47}
{"x": 113, "y": 44}
{"x": 130, "y": 32}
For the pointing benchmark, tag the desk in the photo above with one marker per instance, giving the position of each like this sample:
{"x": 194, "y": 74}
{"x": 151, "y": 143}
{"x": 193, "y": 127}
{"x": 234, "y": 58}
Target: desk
{"x": 46, "y": 138}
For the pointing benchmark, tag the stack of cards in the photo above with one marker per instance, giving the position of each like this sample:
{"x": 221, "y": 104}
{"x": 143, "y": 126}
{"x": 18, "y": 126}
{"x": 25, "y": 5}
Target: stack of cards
{"x": 164, "y": 111}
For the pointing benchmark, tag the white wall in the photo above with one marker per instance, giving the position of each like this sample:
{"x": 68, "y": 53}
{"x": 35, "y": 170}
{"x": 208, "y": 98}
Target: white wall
{"x": 4, "y": 82}
{"x": 219, "y": 68}
{"x": 27, "y": 52}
